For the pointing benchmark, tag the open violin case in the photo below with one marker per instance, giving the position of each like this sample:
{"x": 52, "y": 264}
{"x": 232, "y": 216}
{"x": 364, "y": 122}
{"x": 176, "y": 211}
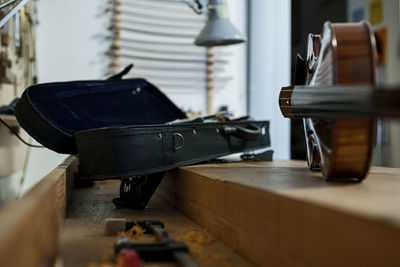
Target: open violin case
{"x": 128, "y": 129}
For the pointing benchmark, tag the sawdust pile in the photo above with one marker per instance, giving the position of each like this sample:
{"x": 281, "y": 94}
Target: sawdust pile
{"x": 202, "y": 238}
{"x": 200, "y": 244}
{"x": 137, "y": 233}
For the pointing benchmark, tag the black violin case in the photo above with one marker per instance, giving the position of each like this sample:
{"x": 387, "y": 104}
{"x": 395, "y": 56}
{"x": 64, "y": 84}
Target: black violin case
{"x": 128, "y": 129}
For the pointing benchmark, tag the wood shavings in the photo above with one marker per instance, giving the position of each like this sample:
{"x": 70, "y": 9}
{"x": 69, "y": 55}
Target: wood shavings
{"x": 196, "y": 242}
{"x": 205, "y": 258}
{"x": 135, "y": 232}
{"x": 202, "y": 238}
{"x": 199, "y": 237}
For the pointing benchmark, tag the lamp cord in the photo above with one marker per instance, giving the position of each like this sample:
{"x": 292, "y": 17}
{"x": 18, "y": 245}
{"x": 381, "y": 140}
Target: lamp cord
{"x": 197, "y": 9}
{"x": 18, "y": 136}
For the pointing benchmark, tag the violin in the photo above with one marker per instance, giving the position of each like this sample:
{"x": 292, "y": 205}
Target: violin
{"x": 339, "y": 102}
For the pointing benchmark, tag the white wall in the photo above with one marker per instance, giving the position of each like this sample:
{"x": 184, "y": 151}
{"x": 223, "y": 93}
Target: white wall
{"x": 67, "y": 48}
{"x": 234, "y": 93}
{"x": 270, "y": 67}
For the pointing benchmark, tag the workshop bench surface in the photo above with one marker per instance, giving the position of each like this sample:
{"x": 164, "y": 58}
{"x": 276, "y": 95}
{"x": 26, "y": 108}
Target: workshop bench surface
{"x": 83, "y": 240}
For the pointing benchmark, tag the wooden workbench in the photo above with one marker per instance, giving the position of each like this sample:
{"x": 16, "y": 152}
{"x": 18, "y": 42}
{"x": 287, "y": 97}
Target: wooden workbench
{"x": 272, "y": 213}
{"x": 56, "y": 223}
{"x": 281, "y": 214}
{"x": 83, "y": 240}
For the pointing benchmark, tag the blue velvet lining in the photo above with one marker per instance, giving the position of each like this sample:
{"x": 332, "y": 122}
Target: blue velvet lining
{"x": 84, "y": 105}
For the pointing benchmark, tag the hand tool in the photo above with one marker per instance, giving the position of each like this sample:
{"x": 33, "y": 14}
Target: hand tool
{"x": 129, "y": 258}
{"x": 165, "y": 250}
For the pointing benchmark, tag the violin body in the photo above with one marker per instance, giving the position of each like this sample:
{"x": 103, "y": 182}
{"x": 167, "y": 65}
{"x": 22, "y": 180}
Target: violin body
{"x": 344, "y": 54}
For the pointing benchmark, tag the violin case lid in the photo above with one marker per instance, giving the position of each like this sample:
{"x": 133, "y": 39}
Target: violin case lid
{"x": 53, "y": 112}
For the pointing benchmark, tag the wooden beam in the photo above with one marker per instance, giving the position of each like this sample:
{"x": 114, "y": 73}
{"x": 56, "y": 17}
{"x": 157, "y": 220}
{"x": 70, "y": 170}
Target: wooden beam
{"x": 30, "y": 227}
{"x": 281, "y": 214}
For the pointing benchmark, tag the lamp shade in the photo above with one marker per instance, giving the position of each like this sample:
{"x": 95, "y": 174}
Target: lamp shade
{"x": 218, "y": 30}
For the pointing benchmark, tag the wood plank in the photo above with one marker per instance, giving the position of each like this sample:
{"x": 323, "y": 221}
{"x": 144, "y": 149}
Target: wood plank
{"x": 30, "y": 227}
{"x": 281, "y": 214}
{"x": 83, "y": 240}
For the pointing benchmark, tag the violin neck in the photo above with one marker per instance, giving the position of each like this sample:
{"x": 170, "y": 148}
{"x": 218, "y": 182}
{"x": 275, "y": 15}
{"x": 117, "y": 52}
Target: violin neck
{"x": 338, "y": 102}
